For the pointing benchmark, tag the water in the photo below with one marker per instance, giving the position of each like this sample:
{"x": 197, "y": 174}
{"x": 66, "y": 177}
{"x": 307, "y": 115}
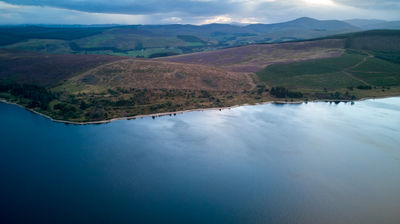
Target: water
{"x": 309, "y": 163}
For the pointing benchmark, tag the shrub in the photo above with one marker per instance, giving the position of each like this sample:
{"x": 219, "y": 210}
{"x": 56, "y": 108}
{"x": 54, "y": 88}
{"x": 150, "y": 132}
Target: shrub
{"x": 364, "y": 87}
{"x": 281, "y": 92}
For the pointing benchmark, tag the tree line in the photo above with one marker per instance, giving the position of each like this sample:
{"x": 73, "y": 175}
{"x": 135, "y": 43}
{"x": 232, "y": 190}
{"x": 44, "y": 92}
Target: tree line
{"x": 282, "y": 92}
{"x": 39, "y": 96}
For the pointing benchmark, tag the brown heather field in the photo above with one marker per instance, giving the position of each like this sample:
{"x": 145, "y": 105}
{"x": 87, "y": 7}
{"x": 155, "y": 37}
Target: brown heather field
{"x": 222, "y": 70}
{"x": 45, "y": 69}
{"x": 253, "y": 58}
{"x": 98, "y": 87}
{"x": 147, "y": 74}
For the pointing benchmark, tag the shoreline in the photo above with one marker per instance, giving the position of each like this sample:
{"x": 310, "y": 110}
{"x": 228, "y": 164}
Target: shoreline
{"x": 186, "y": 111}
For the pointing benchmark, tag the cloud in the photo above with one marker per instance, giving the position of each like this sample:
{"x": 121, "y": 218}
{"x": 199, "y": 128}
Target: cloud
{"x": 372, "y": 4}
{"x": 190, "y": 11}
{"x": 16, "y": 14}
{"x": 227, "y": 19}
{"x": 197, "y": 7}
{"x": 218, "y": 19}
{"x": 173, "y": 19}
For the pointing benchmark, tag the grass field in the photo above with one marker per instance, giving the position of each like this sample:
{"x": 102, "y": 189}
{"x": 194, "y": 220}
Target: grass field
{"x": 379, "y": 72}
{"x": 367, "y": 69}
{"x": 349, "y": 70}
{"x": 42, "y": 46}
{"x": 320, "y": 73}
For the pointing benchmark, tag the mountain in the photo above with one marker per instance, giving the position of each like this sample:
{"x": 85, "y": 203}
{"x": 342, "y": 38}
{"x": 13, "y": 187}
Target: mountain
{"x": 304, "y": 23}
{"x": 148, "y": 41}
{"x": 364, "y": 22}
{"x": 394, "y": 25}
{"x": 374, "y": 24}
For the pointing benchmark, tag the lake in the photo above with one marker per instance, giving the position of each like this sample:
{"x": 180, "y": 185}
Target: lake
{"x": 308, "y": 163}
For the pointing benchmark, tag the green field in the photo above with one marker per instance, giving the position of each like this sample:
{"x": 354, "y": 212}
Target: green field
{"x": 333, "y": 74}
{"x": 371, "y": 59}
{"x": 42, "y": 45}
{"x": 321, "y": 73}
{"x": 379, "y": 72}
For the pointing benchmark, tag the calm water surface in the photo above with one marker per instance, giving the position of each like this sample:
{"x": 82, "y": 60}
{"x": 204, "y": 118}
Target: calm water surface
{"x": 309, "y": 163}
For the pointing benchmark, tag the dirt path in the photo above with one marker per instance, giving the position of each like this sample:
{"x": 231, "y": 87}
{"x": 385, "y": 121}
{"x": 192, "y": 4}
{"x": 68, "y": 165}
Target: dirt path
{"x": 355, "y": 78}
{"x": 347, "y": 71}
{"x": 251, "y": 80}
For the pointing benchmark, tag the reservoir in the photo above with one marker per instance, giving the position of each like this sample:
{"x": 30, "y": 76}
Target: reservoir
{"x": 307, "y": 163}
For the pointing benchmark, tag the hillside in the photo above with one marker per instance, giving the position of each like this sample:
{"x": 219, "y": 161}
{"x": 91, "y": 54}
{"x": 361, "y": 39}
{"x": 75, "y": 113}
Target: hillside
{"x": 44, "y": 69}
{"x": 383, "y": 44}
{"x": 364, "y": 23}
{"x": 253, "y": 58}
{"x": 370, "y": 67}
{"x": 99, "y": 87}
{"x": 146, "y": 74}
{"x": 375, "y": 24}
{"x": 378, "y": 40}
{"x": 394, "y": 25}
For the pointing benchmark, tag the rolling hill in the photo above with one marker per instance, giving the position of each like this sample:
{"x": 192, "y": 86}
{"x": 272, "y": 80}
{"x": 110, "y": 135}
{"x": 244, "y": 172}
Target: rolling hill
{"x": 253, "y": 58}
{"x": 371, "y": 62}
{"x": 148, "y": 74}
{"x": 304, "y": 23}
{"x": 98, "y": 87}
{"x": 148, "y": 41}
{"x": 44, "y": 69}
{"x": 363, "y": 23}
{"x": 374, "y": 24}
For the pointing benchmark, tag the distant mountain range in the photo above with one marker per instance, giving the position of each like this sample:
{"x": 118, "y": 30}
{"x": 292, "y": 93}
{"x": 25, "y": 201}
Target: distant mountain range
{"x": 300, "y": 23}
{"x": 150, "y": 41}
{"x": 304, "y": 23}
{"x": 374, "y": 24}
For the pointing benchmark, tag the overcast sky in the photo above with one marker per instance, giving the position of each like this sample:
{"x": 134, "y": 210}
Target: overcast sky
{"x": 190, "y": 11}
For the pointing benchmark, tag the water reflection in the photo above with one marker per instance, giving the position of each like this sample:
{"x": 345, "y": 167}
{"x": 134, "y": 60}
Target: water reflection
{"x": 306, "y": 163}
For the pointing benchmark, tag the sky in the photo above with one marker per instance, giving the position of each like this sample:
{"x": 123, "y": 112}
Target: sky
{"x": 190, "y": 11}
